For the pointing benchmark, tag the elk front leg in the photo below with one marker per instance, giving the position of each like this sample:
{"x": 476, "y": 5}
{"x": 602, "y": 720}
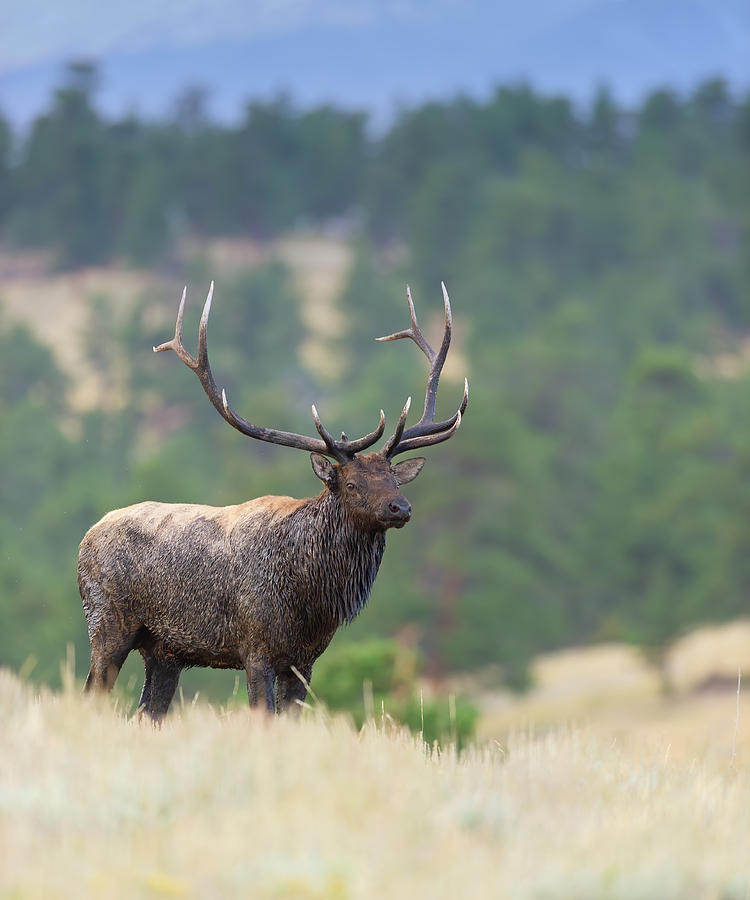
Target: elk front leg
{"x": 261, "y": 686}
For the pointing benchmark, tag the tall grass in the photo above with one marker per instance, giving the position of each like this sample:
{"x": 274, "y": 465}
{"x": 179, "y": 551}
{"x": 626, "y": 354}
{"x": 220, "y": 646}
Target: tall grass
{"x": 222, "y": 803}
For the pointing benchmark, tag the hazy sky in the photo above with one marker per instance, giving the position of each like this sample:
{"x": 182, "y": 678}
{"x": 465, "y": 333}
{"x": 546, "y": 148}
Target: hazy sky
{"x": 373, "y": 55}
{"x": 36, "y": 31}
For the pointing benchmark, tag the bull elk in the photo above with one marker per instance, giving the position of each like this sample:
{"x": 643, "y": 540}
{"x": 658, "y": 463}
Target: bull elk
{"x": 263, "y": 585}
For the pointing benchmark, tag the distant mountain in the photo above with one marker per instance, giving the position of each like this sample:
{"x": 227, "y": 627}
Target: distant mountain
{"x": 631, "y": 45}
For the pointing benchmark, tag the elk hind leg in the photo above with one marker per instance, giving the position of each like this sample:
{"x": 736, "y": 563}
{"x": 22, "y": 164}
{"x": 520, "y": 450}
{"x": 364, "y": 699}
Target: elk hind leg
{"x": 112, "y": 633}
{"x": 292, "y": 689}
{"x": 110, "y": 647}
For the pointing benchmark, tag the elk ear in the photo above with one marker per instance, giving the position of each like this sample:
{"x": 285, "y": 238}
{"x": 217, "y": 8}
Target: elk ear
{"x": 323, "y": 468}
{"x": 408, "y": 470}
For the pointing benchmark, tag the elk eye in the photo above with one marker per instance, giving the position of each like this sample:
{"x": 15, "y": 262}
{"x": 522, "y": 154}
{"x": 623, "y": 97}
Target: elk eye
{"x": 350, "y": 485}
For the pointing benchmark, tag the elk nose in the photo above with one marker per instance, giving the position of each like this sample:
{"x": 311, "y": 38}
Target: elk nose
{"x": 400, "y": 507}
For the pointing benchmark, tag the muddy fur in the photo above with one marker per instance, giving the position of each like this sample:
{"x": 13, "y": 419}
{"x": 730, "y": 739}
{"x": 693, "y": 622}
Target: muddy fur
{"x": 261, "y": 586}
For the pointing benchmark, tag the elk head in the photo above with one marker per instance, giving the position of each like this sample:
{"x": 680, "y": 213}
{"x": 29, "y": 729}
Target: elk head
{"x": 368, "y": 487}
{"x": 367, "y": 484}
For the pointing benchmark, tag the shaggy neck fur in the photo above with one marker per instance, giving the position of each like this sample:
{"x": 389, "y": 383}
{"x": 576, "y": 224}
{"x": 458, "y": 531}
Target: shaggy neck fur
{"x": 341, "y": 556}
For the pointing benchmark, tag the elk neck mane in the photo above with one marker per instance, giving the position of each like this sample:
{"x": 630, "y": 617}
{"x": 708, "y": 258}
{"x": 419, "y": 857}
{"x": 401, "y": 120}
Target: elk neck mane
{"x": 347, "y": 557}
{"x": 325, "y": 549}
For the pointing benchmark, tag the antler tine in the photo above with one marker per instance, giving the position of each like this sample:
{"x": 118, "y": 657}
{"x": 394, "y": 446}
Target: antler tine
{"x": 437, "y": 362}
{"x": 325, "y": 434}
{"x": 415, "y": 332}
{"x": 465, "y": 398}
{"x": 427, "y": 431}
{"x": 203, "y": 329}
{"x": 176, "y": 342}
{"x": 396, "y": 436}
{"x": 415, "y": 443}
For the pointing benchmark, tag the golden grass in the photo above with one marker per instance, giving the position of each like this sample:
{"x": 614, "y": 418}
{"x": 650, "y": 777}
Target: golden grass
{"x": 711, "y": 652}
{"x": 611, "y": 687}
{"x": 234, "y": 804}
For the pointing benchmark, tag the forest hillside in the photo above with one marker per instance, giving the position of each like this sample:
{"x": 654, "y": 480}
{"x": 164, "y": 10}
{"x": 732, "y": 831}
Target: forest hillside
{"x": 597, "y": 263}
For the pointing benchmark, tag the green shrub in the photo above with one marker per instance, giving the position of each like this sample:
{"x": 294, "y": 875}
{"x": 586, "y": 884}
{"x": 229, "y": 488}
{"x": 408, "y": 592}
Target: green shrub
{"x": 377, "y": 677}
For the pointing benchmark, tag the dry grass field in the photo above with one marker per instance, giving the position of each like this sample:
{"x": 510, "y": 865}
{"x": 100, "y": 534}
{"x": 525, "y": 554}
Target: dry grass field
{"x": 640, "y": 799}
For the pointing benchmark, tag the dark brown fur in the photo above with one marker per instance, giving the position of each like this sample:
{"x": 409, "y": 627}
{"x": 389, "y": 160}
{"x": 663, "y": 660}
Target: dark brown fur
{"x": 261, "y": 586}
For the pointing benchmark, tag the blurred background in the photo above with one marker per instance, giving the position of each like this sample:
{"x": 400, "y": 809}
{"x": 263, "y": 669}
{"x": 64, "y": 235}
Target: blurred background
{"x": 576, "y": 171}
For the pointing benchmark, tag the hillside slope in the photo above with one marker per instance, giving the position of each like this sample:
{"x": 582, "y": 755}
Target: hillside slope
{"x": 56, "y": 306}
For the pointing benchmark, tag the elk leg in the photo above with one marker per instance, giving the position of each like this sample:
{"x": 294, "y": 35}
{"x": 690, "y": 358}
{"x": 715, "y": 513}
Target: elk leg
{"x": 108, "y": 652}
{"x": 159, "y": 688}
{"x": 291, "y": 687}
{"x": 261, "y": 686}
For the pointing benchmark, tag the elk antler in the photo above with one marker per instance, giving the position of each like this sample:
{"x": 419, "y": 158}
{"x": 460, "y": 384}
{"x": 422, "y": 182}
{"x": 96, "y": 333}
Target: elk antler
{"x": 427, "y": 431}
{"x": 341, "y": 451}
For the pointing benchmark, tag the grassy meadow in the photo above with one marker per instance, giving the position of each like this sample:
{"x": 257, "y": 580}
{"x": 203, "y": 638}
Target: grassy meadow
{"x": 637, "y": 797}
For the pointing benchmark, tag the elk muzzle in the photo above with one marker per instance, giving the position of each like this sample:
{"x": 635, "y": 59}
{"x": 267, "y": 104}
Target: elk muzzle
{"x": 397, "y": 511}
